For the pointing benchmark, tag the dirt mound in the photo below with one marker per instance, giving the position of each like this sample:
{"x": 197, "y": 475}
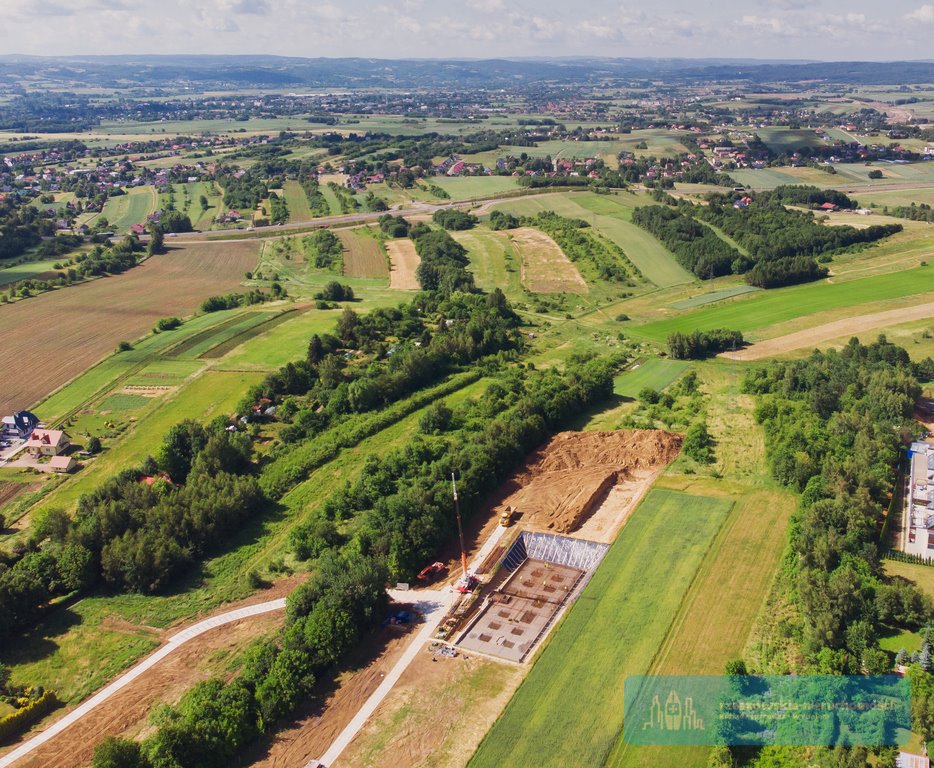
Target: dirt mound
{"x": 568, "y": 478}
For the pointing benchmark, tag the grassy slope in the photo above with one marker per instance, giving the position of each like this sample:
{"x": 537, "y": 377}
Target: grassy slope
{"x": 569, "y": 709}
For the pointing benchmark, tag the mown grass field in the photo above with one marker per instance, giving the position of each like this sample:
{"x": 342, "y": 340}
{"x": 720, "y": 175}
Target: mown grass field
{"x": 363, "y": 256}
{"x": 654, "y": 373}
{"x": 468, "y": 187}
{"x": 783, "y": 304}
{"x": 492, "y": 260}
{"x": 297, "y": 201}
{"x": 569, "y": 710}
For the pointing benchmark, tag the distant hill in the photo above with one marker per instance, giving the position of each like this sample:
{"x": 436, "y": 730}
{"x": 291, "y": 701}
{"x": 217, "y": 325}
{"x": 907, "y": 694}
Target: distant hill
{"x": 278, "y": 71}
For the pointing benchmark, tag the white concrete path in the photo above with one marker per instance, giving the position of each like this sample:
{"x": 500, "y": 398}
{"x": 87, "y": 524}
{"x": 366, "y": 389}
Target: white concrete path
{"x": 101, "y": 696}
{"x": 432, "y": 605}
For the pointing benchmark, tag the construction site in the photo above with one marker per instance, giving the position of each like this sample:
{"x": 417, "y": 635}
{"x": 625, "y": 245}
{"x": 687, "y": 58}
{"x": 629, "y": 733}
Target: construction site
{"x": 549, "y": 528}
{"x": 543, "y": 574}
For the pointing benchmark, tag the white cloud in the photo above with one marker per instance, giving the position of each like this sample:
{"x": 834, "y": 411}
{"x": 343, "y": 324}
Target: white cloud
{"x": 924, "y": 14}
{"x": 487, "y": 6}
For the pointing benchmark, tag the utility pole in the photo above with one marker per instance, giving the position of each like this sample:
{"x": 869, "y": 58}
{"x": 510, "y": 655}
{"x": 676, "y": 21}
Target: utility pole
{"x": 460, "y": 528}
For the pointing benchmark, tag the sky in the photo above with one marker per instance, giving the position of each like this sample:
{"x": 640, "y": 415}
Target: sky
{"x": 779, "y": 29}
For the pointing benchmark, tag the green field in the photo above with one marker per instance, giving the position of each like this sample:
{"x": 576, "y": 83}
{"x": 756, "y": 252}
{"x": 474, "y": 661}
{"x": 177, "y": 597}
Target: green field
{"x": 781, "y": 304}
{"x": 131, "y": 208}
{"x": 201, "y": 218}
{"x": 788, "y": 140}
{"x": 711, "y": 296}
{"x": 29, "y": 269}
{"x": 569, "y": 710}
{"x": 468, "y": 187}
{"x": 297, "y": 201}
{"x": 488, "y": 253}
{"x": 655, "y": 373}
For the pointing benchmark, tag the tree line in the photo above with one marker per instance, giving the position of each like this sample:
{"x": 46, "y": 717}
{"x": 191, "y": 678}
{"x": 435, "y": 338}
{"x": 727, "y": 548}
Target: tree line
{"x": 779, "y": 246}
{"x": 138, "y": 529}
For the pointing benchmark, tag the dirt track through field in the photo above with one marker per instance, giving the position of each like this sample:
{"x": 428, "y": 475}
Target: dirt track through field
{"x": 813, "y": 337}
{"x": 50, "y": 339}
{"x": 404, "y": 261}
{"x": 545, "y": 268}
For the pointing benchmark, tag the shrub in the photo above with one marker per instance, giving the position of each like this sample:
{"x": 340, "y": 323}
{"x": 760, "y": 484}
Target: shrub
{"x": 697, "y": 443}
{"x": 167, "y": 324}
{"x": 124, "y": 346}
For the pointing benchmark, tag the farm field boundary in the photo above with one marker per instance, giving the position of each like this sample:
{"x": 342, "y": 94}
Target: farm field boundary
{"x": 819, "y": 334}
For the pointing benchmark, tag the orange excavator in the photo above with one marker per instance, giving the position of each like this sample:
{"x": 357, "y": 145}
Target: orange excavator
{"x": 431, "y": 572}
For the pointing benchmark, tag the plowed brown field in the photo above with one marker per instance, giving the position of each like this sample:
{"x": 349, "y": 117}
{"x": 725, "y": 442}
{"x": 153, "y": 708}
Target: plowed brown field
{"x": 50, "y": 339}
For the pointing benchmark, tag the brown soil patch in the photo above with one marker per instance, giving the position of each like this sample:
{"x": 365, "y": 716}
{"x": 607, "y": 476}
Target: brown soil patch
{"x": 813, "y": 337}
{"x": 9, "y": 491}
{"x": 60, "y": 334}
{"x": 435, "y": 715}
{"x": 362, "y": 255}
{"x": 150, "y": 391}
{"x": 312, "y": 732}
{"x": 589, "y": 480}
{"x": 544, "y": 267}
{"x": 404, "y": 262}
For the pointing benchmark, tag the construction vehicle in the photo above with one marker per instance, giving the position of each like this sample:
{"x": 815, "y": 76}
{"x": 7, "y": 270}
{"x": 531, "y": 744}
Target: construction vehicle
{"x": 505, "y": 519}
{"x": 467, "y": 584}
{"x": 433, "y": 571}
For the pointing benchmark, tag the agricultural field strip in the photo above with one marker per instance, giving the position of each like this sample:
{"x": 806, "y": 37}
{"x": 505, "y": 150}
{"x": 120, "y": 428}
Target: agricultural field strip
{"x": 568, "y": 711}
{"x": 174, "y": 642}
{"x": 768, "y": 308}
{"x": 609, "y": 216}
{"x": 820, "y": 334}
{"x": 77, "y": 327}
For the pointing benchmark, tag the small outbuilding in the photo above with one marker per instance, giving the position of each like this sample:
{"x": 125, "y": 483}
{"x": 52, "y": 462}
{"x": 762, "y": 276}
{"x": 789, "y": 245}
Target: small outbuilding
{"x": 62, "y": 464}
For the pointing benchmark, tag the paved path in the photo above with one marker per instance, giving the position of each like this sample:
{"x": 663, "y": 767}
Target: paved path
{"x": 171, "y": 644}
{"x": 432, "y": 605}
